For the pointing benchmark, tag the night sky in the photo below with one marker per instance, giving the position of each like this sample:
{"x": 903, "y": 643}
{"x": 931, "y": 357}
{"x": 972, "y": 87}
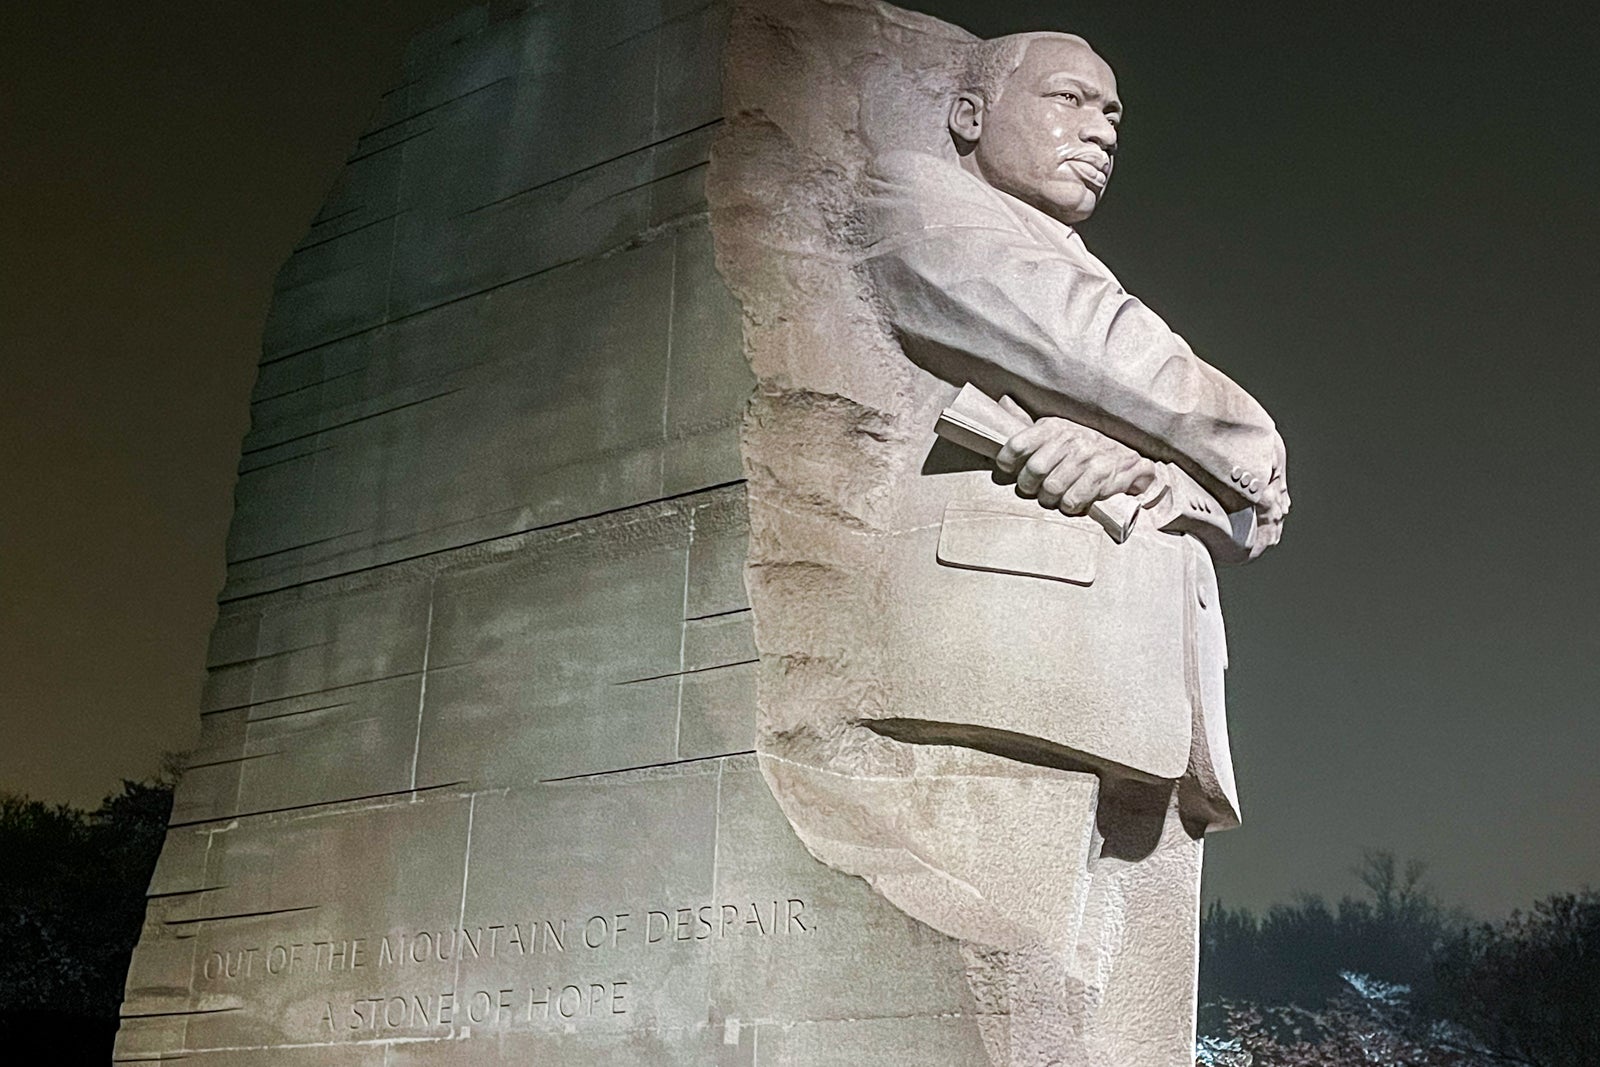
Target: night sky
{"x": 1379, "y": 217}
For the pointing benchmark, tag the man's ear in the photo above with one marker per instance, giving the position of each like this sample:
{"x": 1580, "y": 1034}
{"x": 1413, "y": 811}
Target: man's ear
{"x": 966, "y": 121}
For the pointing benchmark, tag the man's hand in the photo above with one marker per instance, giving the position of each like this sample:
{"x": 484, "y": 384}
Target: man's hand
{"x": 1273, "y": 505}
{"x": 1068, "y": 466}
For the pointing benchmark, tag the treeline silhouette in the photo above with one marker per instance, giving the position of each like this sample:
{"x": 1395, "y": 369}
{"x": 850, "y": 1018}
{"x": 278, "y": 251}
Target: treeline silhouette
{"x": 1391, "y": 977}
{"x": 72, "y": 901}
{"x": 1396, "y": 978}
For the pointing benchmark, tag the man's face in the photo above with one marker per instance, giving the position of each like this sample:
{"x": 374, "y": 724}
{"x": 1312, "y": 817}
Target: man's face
{"x": 1050, "y": 137}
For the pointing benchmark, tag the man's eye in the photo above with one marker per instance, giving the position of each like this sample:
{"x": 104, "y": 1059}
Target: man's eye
{"x": 1071, "y": 98}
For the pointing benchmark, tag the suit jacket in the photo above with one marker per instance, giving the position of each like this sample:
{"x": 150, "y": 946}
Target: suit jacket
{"x": 1022, "y": 630}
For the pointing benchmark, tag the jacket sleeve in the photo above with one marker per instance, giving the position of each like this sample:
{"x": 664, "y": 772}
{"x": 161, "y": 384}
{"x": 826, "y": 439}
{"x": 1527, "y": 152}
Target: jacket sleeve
{"x": 986, "y": 302}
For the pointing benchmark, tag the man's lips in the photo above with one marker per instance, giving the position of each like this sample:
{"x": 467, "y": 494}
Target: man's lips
{"x": 1093, "y": 172}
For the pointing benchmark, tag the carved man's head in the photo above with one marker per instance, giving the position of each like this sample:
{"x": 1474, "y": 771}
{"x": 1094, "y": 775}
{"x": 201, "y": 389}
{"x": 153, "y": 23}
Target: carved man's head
{"x": 1037, "y": 118}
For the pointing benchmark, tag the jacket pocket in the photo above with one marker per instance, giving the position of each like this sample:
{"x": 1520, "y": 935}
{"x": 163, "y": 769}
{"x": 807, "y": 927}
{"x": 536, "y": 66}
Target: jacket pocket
{"x": 1036, "y": 542}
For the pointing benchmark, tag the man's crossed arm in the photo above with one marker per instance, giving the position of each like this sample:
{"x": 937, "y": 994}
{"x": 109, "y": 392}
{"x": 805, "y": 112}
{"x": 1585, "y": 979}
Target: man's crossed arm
{"x": 976, "y": 296}
{"x": 1067, "y": 466}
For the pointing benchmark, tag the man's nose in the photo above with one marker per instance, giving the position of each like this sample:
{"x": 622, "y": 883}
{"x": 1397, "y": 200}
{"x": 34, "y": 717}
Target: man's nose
{"x": 1100, "y": 131}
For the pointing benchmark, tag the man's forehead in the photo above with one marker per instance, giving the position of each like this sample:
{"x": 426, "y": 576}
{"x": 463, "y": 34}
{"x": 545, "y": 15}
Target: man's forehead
{"x": 1070, "y": 58}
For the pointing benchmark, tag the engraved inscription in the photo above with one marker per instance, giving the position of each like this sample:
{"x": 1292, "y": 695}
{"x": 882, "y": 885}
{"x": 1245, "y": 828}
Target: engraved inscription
{"x": 503, "y": 1007}
{"x": 451, "y": 1002}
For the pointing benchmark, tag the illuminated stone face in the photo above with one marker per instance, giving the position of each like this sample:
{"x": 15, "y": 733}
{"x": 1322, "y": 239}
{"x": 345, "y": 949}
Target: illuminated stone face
{"x": 1050, "y": 136}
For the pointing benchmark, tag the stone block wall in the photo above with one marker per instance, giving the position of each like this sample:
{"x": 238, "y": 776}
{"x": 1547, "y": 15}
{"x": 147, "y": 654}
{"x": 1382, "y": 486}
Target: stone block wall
{"x": 475, "y": 783}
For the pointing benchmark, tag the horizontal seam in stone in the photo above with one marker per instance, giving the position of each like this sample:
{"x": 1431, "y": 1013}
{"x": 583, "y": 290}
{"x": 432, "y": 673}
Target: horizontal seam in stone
{"x": 424, "y": 563}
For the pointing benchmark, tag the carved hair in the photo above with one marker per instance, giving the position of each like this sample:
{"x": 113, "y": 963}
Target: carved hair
{"x": 991, "y": 62}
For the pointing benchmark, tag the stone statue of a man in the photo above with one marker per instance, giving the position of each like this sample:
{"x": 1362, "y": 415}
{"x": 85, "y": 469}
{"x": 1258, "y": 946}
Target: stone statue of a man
{"x": 1024, "y": 741}
{"x": 1036, "y": 125}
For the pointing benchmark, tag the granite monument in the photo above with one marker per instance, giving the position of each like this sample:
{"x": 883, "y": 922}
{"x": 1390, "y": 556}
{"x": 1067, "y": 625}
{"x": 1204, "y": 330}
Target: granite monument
{"x": 719, "y": 575}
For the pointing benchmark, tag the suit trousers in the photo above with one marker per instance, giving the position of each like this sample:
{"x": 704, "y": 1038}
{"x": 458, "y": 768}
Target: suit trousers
{"x": 1123, "y": 994}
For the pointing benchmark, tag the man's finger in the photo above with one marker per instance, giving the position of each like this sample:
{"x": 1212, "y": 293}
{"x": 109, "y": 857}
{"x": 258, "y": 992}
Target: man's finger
{"x": 1020, "y": 447}
{"x": 1059, "y": 480}
{"x": 1043, "y": 461}
{"x": 1076, "y": 498}
{"x": 1144, "y": 476}
{"x": 1089, "y": 486}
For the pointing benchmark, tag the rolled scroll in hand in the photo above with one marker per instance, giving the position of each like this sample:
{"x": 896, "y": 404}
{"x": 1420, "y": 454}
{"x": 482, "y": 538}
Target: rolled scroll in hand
{"x": 980, "y": 424}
